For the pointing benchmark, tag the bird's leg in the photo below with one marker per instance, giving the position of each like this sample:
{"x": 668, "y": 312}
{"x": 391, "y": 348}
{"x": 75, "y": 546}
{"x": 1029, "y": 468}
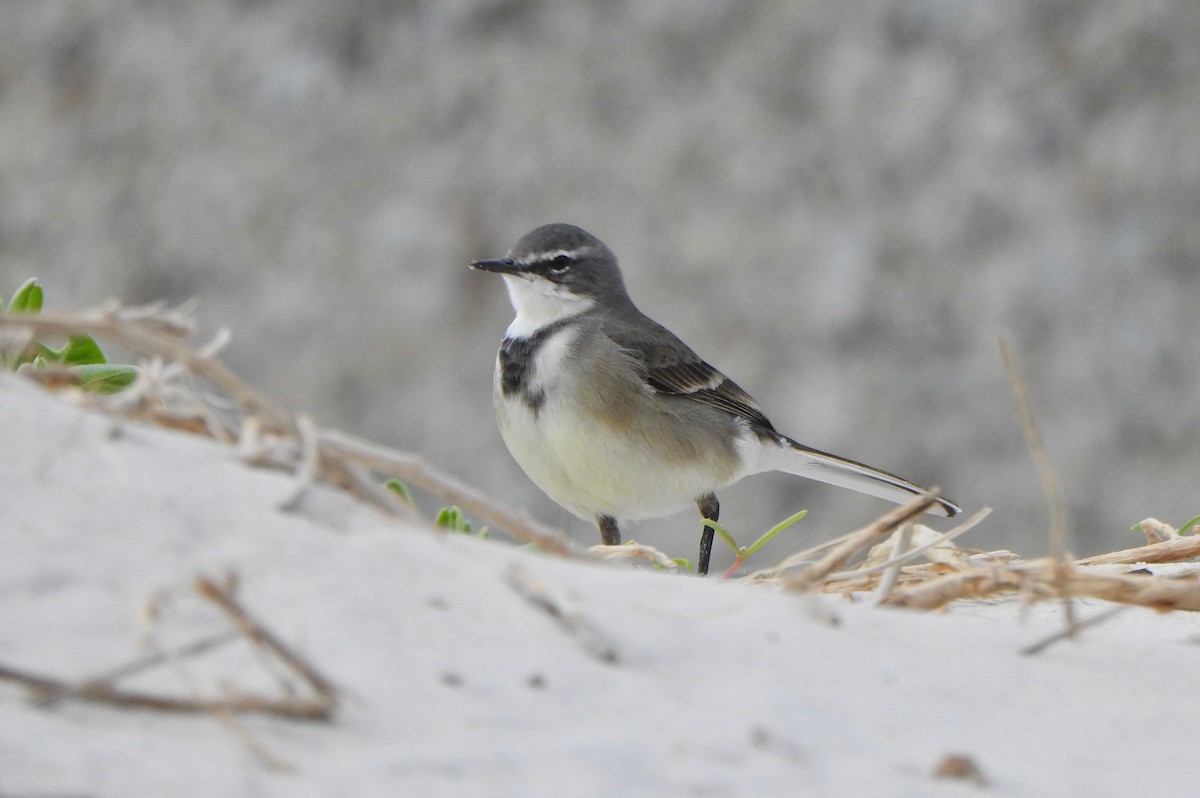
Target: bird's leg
{"x": 610, "y": 533}
{"x": 710, "y": 508}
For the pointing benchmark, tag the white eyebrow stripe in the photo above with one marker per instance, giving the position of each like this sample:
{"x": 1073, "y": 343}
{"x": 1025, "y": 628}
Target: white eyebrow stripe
{"x": 545, "y": 257}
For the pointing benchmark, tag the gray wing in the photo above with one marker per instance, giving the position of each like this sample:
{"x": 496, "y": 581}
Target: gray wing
{"x": 670, "y": 367}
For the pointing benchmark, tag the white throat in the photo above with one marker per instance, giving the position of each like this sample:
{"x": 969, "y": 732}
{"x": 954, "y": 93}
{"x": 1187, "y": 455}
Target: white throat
{"x": 539, "y": 302}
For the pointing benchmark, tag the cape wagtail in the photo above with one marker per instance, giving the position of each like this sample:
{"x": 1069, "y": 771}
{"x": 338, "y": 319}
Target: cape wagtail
{"x": 614, "y": 417}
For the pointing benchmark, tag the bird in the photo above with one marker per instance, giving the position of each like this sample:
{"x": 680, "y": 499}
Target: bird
{"x": 614, "y": 417}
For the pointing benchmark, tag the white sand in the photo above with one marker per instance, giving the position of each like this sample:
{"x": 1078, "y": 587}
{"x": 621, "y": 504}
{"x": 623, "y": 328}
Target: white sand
{"x": 454, "y": 684}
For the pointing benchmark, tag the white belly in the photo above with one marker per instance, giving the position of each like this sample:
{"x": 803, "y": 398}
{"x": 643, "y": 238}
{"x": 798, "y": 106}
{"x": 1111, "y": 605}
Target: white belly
{"x": 592, "y": 473}
{"x": 591, "y": 468}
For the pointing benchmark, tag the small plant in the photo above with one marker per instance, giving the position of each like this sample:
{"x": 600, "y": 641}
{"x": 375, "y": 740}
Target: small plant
{"x": 742, "y": 553}
{"x": 28, "y": 298}
{"x": 401, "y": 491}
{"x": 452, "y": 518}
{"x": 80, "y": 356}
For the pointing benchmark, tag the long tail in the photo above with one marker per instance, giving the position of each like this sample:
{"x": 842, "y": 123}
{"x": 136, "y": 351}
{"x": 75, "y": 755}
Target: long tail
{"x": 796, "y": 458}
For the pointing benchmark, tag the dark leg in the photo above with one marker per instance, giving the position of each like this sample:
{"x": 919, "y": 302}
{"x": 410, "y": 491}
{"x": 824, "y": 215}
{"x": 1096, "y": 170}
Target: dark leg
{"x": 610, "y": 533}
{"x": 710, "y": 508}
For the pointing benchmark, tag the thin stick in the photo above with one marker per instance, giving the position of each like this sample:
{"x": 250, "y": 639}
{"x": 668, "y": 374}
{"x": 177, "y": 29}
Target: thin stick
{"x": 1063, "y": 634}
{"x": 103, "y": 692}
{"x": 913, "y": 553}
{"x": 973, "y": 583}
{"x": 1173, "y": 550}
{"x": 891, "y": 570}
{"x": 38, "y": 684}
{"x": 415, "y": 471}
{"x": 225, "y": 716}
{"x": 106, "y": 694}
{"x": 841, "y": 554}
{"x": 634, "y": 551}
{"x": 1161, "y": 593}
{"x": 1033, "y": 439}
{"x": 230, "y": 720}
{"x": 260, "y": 635}
{"x": 799, "y": 558}
{"x": 305, "y": 472}
{"x": 140, "y": 665}
{"x": 577, "y": 627}
{"x": 1049, "y": 480}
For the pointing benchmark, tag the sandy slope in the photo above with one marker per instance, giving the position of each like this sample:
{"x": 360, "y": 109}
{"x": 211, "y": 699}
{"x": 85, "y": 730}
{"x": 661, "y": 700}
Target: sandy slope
{"x": 454, "y": 683}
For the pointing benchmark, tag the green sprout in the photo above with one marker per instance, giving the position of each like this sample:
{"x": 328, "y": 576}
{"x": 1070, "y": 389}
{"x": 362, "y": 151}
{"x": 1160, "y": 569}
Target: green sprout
{"x": 28, "y": 298}
{"x": 401, "y": 490}
{"x": 452, "y": 518}
{"x": 742, "y": 553}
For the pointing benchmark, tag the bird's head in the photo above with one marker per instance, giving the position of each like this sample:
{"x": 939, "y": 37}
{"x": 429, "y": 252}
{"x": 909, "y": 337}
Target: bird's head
{"x": 555, "y": 271}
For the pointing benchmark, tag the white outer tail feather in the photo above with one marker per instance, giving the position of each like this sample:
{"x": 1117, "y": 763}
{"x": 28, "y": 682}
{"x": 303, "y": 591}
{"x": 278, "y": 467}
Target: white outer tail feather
{"x": 794, "y": 458}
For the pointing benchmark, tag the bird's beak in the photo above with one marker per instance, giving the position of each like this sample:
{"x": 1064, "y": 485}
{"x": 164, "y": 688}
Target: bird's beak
{"x": 499, "y": 265}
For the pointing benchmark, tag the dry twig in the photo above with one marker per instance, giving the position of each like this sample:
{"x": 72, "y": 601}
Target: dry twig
{"x": 1040, "y": 580}
{"x": 891, "y": 569}
{"x": 905, "y": 554}
{"x": 841, "y": 554}
{"x": 255, "y": 632}
{"x": 1176, "y": 549}
{"x": 574, "y": 624}
{"x": 1063, "y": 634}
{"x": 103, "y": 690}
{"x": 1050, "y": 483}
{"x": 632, "y": 550}
{"x": 413, "y": 470}
{"x": 1156, "y": 531}
{"x": 137, "y": 666}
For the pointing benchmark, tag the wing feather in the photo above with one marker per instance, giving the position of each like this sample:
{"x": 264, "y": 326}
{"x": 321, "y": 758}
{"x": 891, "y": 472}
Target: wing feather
{"x": 670, "y": 367}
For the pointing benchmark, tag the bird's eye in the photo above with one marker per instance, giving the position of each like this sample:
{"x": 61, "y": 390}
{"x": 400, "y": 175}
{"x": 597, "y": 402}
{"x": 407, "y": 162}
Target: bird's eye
{"x": 560, "y": 264}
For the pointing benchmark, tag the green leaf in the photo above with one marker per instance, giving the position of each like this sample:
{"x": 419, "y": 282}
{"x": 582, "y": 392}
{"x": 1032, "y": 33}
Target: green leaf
{"x": 720, "y": 530}
{"x": 82, "y": 350}
{"x": 102, "y": 378}
{"x": 400, "y": 489}
{"x": 1183, "y": 530}
{"x": 773, "y": 531}
{"x": 28, "y": 298}
{"x": 742, "y": 552}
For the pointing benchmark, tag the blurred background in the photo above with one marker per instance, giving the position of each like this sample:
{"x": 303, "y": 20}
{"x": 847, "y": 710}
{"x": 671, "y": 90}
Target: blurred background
{"x": 839, "y": 204}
